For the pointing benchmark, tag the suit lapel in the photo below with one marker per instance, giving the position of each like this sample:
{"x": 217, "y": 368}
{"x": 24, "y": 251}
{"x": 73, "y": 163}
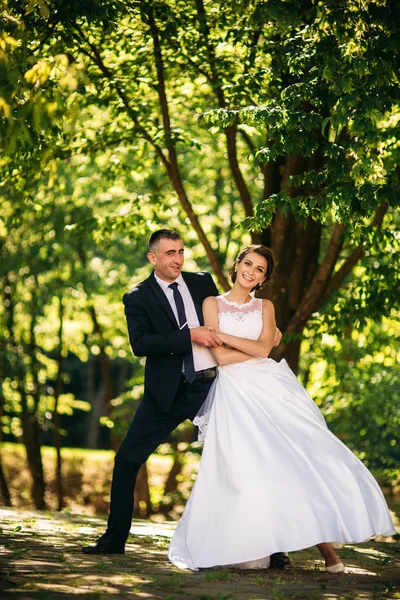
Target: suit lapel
{"x": 162, "y": 298}
{"x": 196, "y": 300}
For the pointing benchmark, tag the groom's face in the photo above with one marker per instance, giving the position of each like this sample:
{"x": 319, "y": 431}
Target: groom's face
{"x": 167, "y": 259}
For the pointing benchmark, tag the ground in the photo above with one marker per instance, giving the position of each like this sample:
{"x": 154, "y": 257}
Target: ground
{"x": 40, "y": 558}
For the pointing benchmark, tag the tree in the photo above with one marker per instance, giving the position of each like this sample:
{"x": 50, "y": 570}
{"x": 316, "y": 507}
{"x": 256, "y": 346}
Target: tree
{"x": 321, "y": 79}
{"x": 329, "y": 113}
{"x": 297, "y": 142}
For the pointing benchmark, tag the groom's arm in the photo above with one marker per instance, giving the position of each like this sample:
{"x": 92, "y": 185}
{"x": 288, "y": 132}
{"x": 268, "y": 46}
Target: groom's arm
{"x": 144, "y": 341}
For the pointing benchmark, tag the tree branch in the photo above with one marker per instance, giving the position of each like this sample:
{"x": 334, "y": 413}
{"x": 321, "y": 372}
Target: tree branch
{"x": 189, "y": 59}
{"x": 230, "y": 131}
{"x": 170, "y": 163}
{"x": 96, "y": 58}
{"x": 205, "y": 31}
{"x": 173, "y": 170}
{"x": 323, "y": 283}
{"x": 350, "y": 262}
{"x": 316, "y": 290}
{"x": 247, "y": 139}
{"x": 162, "y": 95}
{"x": 51, "y": 27}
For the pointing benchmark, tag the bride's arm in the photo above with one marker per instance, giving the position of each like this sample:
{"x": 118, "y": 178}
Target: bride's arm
{"x": 261, "y": 347}
{"x": 222, "y": 355}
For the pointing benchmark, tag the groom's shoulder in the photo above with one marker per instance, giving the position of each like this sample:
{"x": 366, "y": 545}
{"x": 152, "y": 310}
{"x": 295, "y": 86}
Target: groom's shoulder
{"x": 201, "y": 281}
{"x": 198, "y": 276}
{"x": 138, "y": 292}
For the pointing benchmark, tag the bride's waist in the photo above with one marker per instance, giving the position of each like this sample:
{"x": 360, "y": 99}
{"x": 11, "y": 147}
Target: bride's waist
{"x": 251, "y": 362}
{"x": 255, "y": 368}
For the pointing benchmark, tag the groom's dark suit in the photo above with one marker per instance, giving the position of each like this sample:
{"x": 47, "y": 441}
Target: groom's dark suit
{"x": 168, "y": 399}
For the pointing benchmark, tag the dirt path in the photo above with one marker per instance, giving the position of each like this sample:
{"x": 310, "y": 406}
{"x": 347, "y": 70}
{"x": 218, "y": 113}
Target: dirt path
{"x": 40, "y": 558}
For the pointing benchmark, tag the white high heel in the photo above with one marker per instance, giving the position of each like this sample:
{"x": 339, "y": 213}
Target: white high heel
{"x": 338, "y": 568}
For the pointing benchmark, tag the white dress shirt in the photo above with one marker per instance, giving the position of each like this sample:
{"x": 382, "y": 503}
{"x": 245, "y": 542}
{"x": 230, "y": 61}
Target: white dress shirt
{"x": 202, "y": 357}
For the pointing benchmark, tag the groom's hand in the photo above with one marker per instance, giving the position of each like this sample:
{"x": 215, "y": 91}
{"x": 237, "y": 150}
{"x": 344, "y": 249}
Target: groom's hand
{"x": 278, "y": 337}
{"x": 204, "y": 337}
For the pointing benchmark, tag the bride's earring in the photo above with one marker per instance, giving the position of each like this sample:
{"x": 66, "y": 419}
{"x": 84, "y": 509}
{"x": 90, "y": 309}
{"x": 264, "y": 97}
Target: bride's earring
{"x": 260, "y": 286}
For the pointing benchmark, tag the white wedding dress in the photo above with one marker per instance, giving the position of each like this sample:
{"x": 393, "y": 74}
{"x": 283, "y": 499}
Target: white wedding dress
{"x": 272, "y": 477}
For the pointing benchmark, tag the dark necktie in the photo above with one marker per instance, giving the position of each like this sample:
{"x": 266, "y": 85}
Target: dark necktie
{"x": 188, "y": 364}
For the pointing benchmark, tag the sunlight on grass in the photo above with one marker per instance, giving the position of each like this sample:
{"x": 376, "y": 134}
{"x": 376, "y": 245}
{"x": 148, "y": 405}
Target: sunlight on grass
{"x": 50, "y": 566}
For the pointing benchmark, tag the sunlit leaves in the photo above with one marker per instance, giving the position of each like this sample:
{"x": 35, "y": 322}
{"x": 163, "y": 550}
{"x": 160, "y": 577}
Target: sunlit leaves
{"x": 315, "y": 82}
{"x": 333, "y": 96}
{"x": 371, "y": 399}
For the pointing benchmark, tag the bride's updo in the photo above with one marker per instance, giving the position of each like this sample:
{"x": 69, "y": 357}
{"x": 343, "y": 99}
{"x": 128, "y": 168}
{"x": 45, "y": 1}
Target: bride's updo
{"x": 262, "y": 251}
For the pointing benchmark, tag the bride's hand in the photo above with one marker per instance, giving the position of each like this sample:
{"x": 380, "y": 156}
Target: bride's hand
{"x": 278, "y": 337}
{"x": 211, "y": 328}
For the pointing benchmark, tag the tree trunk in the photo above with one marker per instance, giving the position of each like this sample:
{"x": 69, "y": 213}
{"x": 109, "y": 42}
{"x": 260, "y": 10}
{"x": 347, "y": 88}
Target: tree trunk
{"x": 56, "y": 415}
{"x": 59, "y": 481}
{"x": 142, "y": 494}
{"x": 102, "y": 397}
{"x": 31, "y": 432}
{"x": 123, "y": 377}
{"x": 30, "y": 425}
{"x": 5, "y": 492}
{"x": 291, "y": 353}
{"x": 105, "y": 366}
{"x": 3, "y": 482}
{"x": 96, "y": 398}
{"x": 296, "y": 248}
{"x": 170, "y": 484}
{"x": 31, "y": 437}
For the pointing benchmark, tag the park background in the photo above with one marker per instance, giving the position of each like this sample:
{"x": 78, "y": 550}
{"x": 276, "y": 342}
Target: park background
{"x": 230, "y": 122}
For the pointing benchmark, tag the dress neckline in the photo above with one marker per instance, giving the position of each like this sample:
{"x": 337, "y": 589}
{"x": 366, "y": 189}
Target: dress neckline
{"x": 235, "y": 304}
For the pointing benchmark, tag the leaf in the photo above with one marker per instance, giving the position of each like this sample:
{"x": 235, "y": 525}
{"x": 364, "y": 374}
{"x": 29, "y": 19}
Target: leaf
{"x": 324, "y": 125}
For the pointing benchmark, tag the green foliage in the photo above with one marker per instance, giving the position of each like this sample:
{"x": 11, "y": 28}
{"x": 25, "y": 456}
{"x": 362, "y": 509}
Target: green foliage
{"x": 34, "y": 88}
{"x": 88, "y": 142}
{"x": 330, "y": 95}
{"x": 353, "y": 376}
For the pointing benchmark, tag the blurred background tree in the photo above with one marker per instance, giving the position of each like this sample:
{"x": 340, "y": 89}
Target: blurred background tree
{"x": 265, "y": 121}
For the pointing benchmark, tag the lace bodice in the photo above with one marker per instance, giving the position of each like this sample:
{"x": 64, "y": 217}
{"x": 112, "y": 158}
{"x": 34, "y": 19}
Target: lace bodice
{"x": 243, "y": 320}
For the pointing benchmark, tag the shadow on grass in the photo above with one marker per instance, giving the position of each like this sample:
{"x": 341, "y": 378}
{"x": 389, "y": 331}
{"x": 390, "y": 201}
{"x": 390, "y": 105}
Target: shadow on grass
{"x": 41, "y": 558}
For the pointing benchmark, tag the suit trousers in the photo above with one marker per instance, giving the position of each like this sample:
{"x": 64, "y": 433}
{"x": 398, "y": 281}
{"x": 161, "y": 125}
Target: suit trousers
{"x": 150, "y": 427}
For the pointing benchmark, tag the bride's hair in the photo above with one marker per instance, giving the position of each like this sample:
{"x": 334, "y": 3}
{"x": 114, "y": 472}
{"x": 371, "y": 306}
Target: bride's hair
{"x": 262, "y": 251}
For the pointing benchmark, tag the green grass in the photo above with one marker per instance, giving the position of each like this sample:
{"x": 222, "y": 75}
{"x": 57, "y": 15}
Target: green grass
{"x": 49, "y": 566}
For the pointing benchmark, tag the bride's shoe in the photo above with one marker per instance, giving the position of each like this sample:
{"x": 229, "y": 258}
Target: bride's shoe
{"x": 338, "y": 568}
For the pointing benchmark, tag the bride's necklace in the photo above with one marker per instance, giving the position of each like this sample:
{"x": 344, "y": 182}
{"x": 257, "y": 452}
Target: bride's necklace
{"x": 233, "y": 302}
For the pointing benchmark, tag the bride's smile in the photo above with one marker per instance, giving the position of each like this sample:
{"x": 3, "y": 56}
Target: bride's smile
{"x": 250, "y": 273}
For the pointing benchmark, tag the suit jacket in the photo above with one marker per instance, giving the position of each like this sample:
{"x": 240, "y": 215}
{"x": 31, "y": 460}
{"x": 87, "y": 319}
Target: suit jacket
{"x": 154, "y": 333}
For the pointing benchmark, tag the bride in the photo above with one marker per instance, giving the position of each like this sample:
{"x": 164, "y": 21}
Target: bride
{"x": 272, "y": 477}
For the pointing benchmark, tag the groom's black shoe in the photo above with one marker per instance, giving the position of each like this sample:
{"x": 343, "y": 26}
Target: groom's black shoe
{"x": 106, "y": 544}
{"x": 280, "y": 560}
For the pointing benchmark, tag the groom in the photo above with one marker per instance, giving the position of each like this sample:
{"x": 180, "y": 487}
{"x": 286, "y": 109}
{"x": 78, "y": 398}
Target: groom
{"x": 165, "y": 324}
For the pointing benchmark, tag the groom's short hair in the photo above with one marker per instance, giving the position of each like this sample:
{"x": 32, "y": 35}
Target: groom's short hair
{"x": 161, "y": 234}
